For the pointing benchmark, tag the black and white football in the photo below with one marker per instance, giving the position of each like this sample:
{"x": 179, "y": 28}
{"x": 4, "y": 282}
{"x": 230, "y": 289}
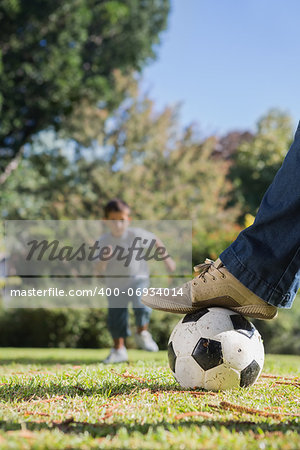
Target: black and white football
{"x": 215, "y": 349}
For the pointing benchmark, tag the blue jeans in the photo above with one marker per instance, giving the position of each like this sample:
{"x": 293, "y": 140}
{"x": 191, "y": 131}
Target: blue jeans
{"x": 117, "y": 318}
{"x": 266, "y": 256}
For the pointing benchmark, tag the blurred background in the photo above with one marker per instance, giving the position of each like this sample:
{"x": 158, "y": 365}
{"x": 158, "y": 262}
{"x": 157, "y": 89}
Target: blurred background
{"x": 183, "y": 109}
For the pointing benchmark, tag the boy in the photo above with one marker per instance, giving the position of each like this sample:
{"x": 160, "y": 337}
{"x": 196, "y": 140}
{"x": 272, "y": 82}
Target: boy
{"x": 127, "y": 280}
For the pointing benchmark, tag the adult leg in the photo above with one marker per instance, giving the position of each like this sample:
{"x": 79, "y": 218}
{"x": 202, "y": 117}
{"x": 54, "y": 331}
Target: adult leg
{"x": 266, "y": 256}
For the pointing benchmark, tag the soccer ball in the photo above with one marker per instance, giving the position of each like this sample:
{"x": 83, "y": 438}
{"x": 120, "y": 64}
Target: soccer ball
{"x": 215, "y": 349}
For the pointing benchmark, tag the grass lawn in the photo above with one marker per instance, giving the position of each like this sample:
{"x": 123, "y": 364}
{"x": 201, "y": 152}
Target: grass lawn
{"x": 66, "y": 398}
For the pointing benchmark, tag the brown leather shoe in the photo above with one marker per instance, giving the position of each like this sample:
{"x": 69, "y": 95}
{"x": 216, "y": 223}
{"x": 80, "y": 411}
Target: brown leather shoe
{"x": 214, "y": 286}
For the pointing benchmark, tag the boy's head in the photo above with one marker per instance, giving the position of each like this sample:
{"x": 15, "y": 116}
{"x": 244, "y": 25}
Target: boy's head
{"x": 117, "y": 212}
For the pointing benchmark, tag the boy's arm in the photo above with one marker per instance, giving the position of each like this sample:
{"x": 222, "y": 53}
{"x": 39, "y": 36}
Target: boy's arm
{"x": 169, "y": 262}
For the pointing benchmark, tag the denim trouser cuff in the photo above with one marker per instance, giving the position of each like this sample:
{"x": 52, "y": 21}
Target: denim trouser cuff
{"x": 257, "y": 285}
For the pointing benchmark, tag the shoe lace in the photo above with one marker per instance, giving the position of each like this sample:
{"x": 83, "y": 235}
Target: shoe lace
{"x": 204, "y": 269}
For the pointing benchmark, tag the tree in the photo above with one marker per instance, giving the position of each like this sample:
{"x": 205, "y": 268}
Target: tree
{"x": 162, "y": 171}
{"x": 257, "y": 160}
{"x": 139, "y": 154}
{"x": 57, "y": 54}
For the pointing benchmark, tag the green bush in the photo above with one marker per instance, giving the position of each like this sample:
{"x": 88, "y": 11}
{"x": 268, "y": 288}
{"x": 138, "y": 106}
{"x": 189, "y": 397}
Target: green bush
{"x": 282, "y": 335}
{"x": 54, "y": 328}
{"x": 86, "y": 328}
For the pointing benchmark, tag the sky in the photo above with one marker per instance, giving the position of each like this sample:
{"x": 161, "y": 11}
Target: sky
{"x": 228, "y": 62}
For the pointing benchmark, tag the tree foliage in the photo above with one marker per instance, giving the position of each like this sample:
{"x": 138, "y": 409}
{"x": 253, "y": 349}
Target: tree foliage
{"x": 257, "y": 160}
{"x": 55, "y": 54}
{"x": 138, "y": 154}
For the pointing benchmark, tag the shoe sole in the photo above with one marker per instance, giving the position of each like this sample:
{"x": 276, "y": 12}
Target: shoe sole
{"x": 257, "y": 312}
{"x": 264, "y": 312}
{"x": 170, "y": 307}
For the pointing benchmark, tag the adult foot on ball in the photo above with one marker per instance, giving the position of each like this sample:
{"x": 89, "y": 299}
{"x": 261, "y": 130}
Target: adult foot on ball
{"x": 214, "y": 286}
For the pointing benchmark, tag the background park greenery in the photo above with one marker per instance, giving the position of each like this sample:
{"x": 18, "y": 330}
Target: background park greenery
{"x": 76, "y": 130}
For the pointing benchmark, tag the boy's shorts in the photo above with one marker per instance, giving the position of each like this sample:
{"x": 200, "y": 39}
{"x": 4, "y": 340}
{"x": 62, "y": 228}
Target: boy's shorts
{"x": 117, "y": 319}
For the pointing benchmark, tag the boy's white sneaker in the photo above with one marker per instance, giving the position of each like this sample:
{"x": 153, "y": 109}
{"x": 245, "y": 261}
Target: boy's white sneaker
{"x": 145, "y": 341}
{"x": 116, "y": 356}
